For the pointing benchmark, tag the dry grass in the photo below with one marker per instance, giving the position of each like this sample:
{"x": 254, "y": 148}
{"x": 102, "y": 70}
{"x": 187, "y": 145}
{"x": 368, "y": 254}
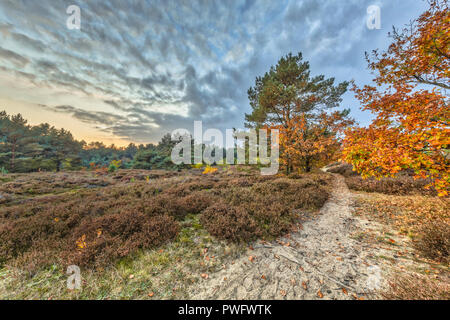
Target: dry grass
{"x": 417, "y": 287}
{"x": 425, "y": 220}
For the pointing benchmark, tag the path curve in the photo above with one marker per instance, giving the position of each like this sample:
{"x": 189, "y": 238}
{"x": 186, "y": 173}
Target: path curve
{"x": 320, "y": 261}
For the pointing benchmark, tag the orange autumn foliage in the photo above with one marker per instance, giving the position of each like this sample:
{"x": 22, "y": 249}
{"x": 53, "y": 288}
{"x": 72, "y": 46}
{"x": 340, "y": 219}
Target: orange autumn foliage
{"x": 307, "y": 143}
{"x": 411, "y": 129}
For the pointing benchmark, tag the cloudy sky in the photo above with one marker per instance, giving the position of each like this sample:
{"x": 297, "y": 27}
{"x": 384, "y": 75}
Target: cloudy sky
{"x": 139, "y": 69}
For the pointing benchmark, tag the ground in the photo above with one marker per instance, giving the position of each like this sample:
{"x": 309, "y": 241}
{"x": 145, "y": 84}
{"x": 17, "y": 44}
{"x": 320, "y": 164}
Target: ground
{"x": 324, "y": 259}
{"x": 339, "y": 252}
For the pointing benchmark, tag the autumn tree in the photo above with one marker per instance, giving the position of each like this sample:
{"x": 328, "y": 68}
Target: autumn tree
{"x": 409, "y": 99}
{"x": 288, "y": 98}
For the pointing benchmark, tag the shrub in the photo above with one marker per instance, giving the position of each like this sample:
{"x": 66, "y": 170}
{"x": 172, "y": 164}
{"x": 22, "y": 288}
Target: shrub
{"x": 42, "y": 231}
{"x": 401, "y": 185}
{"x": 342, "y": 168}
{"x": 115, "y": 236}
{"x": 177, "y": 207}
{"x": 114, "y": 165}
{"x": 229, "y": 223}
{"x": 274, "y": 205}
{"x": 434, "y": 240}
{"x": 92, "y": 220}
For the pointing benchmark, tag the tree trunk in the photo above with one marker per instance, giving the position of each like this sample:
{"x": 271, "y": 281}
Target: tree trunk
{"x": 308, "y": 164}
{"x": 13, "y": 156}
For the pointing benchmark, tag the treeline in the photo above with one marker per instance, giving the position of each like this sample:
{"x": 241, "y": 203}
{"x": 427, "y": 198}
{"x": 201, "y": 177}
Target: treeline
{"x": 27, "y": 148}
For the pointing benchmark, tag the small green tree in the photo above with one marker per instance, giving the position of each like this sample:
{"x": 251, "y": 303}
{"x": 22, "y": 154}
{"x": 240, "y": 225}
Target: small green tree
{"x": 14, "y": 133}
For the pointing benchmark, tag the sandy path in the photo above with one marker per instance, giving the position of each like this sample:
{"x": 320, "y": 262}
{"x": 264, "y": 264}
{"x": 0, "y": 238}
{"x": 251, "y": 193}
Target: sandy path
{"x": 321, "y": 259}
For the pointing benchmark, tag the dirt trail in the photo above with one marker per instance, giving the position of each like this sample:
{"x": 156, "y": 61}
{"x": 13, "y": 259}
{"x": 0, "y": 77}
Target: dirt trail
{"x": 321, "y": 259}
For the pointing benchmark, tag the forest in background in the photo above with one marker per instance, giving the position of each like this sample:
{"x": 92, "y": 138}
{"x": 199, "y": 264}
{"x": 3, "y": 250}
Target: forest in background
{"x": 26, "y": 148}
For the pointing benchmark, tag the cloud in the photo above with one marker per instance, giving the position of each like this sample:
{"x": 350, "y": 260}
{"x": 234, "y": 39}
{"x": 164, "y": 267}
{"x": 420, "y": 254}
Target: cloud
{"x": 14, "y": 58}
{"x": 148, "y": 67}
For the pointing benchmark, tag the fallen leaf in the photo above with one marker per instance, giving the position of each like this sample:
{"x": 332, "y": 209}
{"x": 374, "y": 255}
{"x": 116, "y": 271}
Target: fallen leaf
{"x": 263, "y": 277}
{"x": 304, "y": 285}
{"x": 251, "y": 258}
{"x": 344, "y": 291}
{"x": 320, "y": 294}
{"x": 204, "y": 276}
{"x": 131, "y": 276}
{"x": 151, "y": 294}
{"x": 283, "y": 292}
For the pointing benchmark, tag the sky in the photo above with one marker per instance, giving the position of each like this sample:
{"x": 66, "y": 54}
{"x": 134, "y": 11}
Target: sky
{"x": 137, "y": 70}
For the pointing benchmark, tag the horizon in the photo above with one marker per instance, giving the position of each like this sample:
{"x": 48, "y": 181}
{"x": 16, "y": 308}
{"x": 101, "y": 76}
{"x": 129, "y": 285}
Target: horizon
{"x": 135, "y": 72}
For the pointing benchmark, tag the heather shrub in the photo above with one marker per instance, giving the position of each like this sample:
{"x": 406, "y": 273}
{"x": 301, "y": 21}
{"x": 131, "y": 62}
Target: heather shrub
{"x": 229, "y": 223}
{"x": 274, "y": 205}
{"x": 342, "y": 168}
{"x": 434, "y": 240}
{"x": 187, "y": 188}
{"x": 92, "y": 220}
{"x": 401, "y": 185}
{"x": 48, "y": 229}
{"x": 196, "y": 202}
{"x": 107, "y": 238}
{"x": 177, "y": 207}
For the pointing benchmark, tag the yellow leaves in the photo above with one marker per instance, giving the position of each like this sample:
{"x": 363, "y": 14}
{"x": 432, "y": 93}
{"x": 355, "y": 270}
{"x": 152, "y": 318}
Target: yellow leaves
{"x": 81, "y": 242}
{"x": 209, "y": 170}
{"x": 56, "y": 219}
{"x": 197, "y": 165}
